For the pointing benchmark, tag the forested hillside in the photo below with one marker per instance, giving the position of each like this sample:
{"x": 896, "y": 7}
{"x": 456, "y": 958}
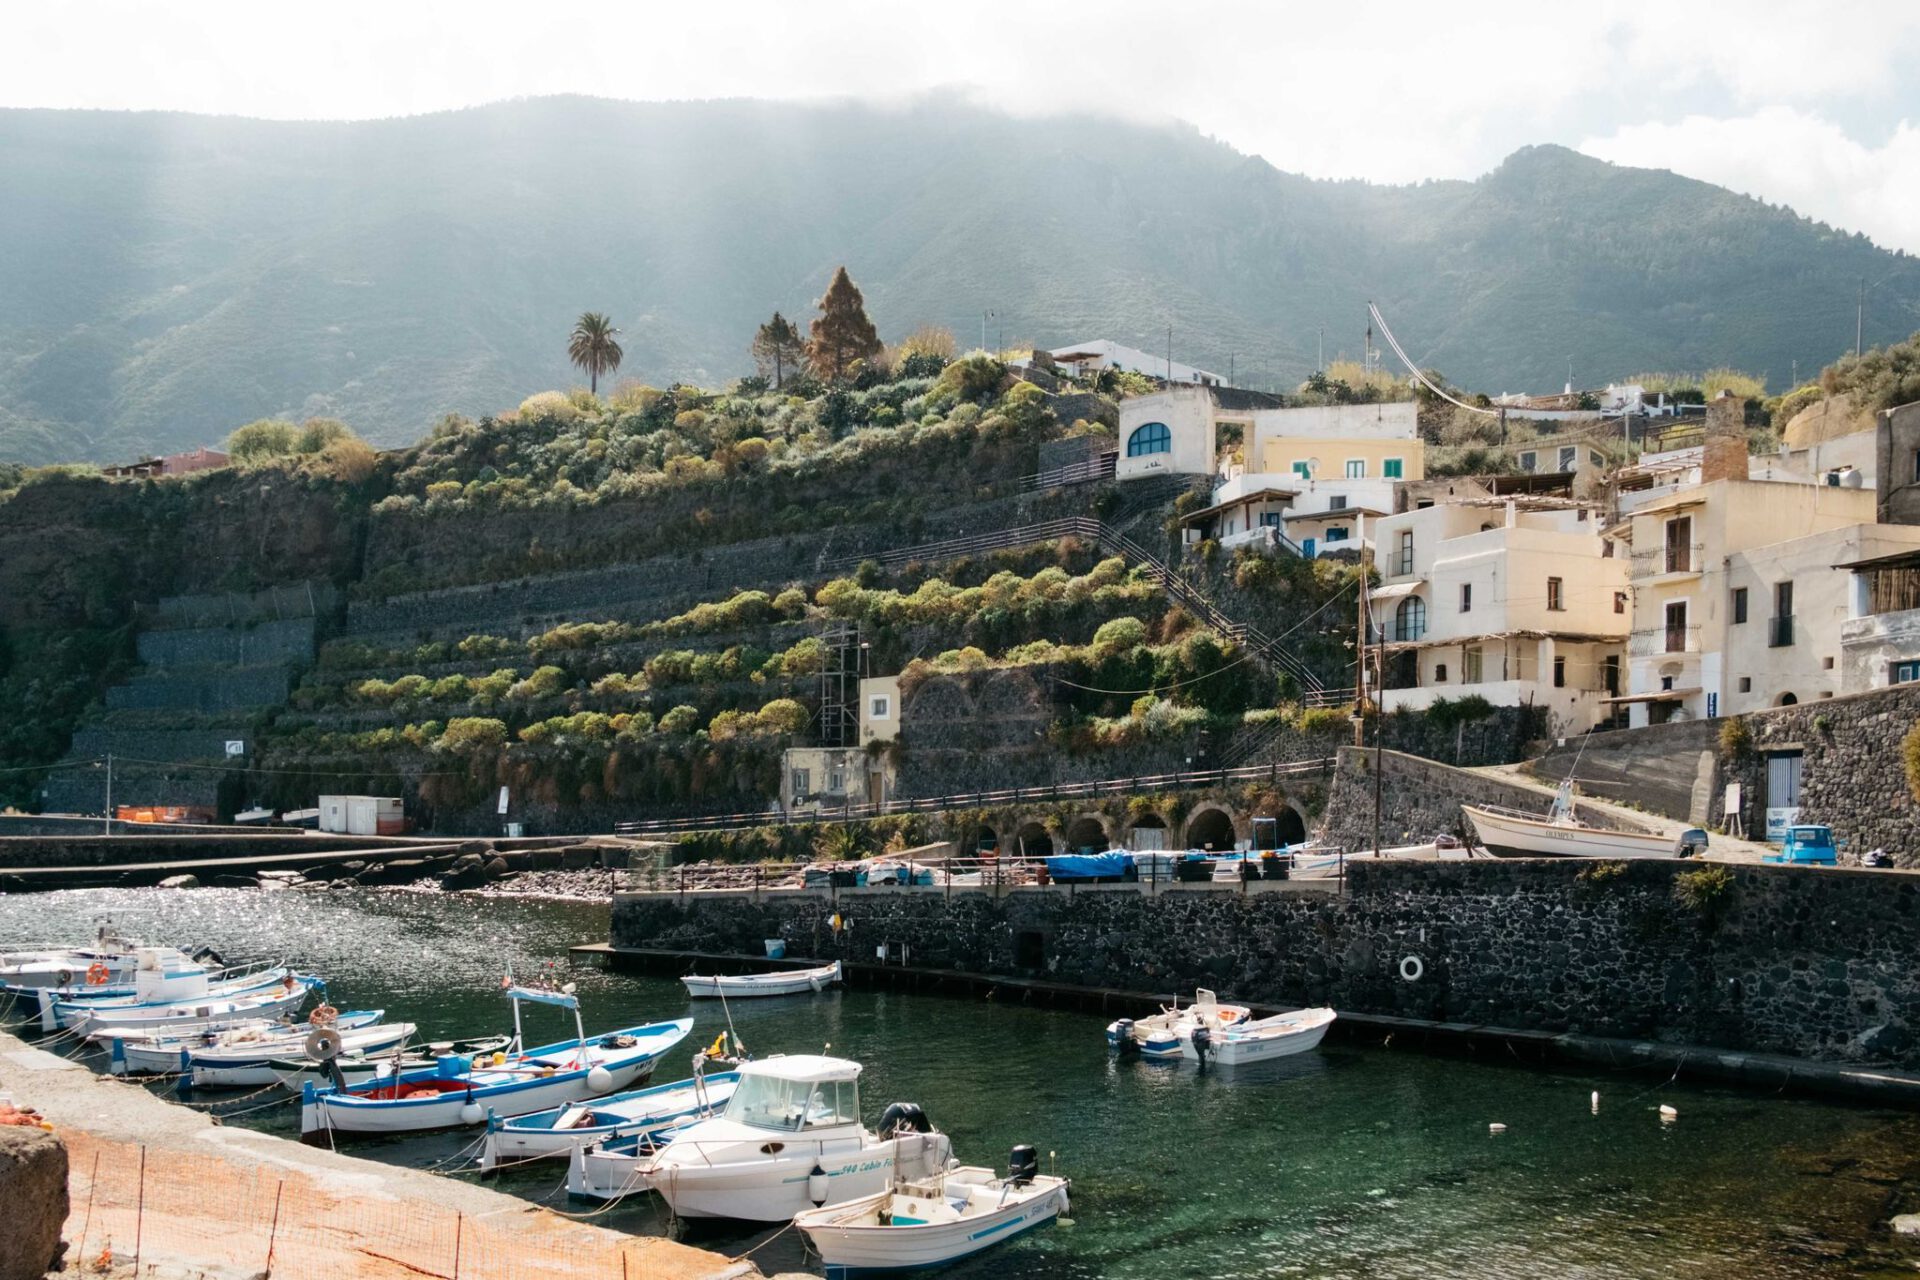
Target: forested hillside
{"x": 164, "y": 278}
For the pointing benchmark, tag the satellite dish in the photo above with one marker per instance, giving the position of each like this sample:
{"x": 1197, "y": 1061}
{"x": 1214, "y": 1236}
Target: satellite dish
{"x": 323, "y": 1045}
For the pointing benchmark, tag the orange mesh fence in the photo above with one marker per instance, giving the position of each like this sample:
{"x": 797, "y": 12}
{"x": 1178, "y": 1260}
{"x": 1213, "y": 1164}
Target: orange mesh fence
{"x": 159, "y": 1207}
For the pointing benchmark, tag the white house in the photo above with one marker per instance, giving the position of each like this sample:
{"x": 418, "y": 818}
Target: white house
{"x": 1880, "y": 639}
{"x": 1516, "y": 599}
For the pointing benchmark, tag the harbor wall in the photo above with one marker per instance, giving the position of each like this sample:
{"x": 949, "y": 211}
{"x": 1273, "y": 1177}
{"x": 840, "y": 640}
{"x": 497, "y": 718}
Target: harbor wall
{"x": 1808, "y": 963}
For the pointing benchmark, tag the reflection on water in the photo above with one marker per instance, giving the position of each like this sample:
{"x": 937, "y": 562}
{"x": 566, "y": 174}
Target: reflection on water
{"x": 1343, "y": 1163}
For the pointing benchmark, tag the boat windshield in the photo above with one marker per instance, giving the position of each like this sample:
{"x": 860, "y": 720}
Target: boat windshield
{"x": 791, "y": 1105}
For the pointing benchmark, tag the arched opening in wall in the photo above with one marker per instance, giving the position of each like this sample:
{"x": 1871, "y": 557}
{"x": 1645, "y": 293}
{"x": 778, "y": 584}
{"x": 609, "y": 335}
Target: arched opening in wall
{"x": 1148, "y": 831}
{"x": 1210, "y": 829}
{"x": 1086, "y": 835}
{"x": 1033, "y": 841}
{"x": 985, "y": 841}
{"x": 1279, "y": 825}
{"x": 1785, "y": 700}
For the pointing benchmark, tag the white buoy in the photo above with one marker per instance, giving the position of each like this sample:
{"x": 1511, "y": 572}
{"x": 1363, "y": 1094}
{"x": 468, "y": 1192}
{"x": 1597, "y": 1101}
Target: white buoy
{"x": 1596, "y": 1102}
{"x": 472, "y": 1113}
{"x": 1668, "y": 1115}
{"x": 599, "y": 1079}
{"x": 1496, "y": 1127}
{"x": 817, "y": 1186}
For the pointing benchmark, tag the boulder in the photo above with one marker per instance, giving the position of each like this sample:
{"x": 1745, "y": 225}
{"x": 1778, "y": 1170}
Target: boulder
{"x": 475, "y": 848}
{"x": 496, "y": 867}
{"x": 180, "y": 882}
{"x": 466, "y": 873}
{"x": 399, "y": 871}
{"x": 1906, "y": 1224}
{"x": 33, "y": 1187}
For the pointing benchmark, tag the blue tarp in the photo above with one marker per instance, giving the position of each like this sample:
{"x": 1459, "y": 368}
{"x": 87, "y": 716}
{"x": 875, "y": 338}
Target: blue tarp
{"x": 1088, "y": 866}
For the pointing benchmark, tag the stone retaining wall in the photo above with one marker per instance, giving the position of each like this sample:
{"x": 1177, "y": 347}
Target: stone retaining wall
{"x": 1809, "y": 963}
{"x": 33, "y": 1189}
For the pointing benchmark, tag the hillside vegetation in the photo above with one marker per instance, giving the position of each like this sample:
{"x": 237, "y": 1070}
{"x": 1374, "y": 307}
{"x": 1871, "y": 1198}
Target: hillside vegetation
{"x": 164, "y": 278}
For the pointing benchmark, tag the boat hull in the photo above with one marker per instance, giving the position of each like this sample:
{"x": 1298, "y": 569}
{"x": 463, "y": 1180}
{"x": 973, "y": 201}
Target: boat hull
{"x": 642, "y": 1115}
{"x": 1508, "y": 836}
{"x": 749, "y": 986}
{"x": 857, "y": 1249}
{"x": 774, "y": 1188}
{"x": 1281, "y": 1036}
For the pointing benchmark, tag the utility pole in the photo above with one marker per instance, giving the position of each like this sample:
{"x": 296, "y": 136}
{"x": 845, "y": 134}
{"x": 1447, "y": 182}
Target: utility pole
{"x": 983, "y": 329}
{"x": 1169, "y": 353}
{"x": 109, "y": 793}
{"x": 1322, "y": 365}
{"x": 1230, "y": 381}
{"x": 1361, "y": 634}
{"x": 1794, "y": 379}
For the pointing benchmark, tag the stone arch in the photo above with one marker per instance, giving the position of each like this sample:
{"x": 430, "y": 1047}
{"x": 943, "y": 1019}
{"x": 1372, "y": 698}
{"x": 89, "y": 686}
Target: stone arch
{"x": 1032, "y": 840}
{"x": 1009, "y": 695}
{"x": 1148, "y": 821}
{"x": 1089, "y": 831}
{"x": 985, "y": 840}
{"x": 937, "y": 700}
{"x": 1785, "y": 700}
{"x": 1289, "y": 824}
{"x": 1211, "y": 827}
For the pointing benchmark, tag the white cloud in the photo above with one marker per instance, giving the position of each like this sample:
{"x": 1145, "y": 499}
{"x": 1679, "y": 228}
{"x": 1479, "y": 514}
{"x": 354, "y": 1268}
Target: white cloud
{"x": 1790, "y": 157}
{"x": 1401, "y": 91}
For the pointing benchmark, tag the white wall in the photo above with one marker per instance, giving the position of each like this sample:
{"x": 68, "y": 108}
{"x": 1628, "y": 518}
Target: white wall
{"x": 1188, "y": 413}
{"x": 1398, "y": 421}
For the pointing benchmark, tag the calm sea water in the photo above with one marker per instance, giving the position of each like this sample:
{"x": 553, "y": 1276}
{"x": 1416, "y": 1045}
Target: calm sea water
{"x": 1353, "y": 1162}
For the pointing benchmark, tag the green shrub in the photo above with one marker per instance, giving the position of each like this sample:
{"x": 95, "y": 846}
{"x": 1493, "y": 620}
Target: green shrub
{"x": 682, "y": 719}
{"x": 1704, "y": 890}
{"x": 470, "y": 735}
{"x": 1910, "y": 751}
{"x": 1736, "y": 739}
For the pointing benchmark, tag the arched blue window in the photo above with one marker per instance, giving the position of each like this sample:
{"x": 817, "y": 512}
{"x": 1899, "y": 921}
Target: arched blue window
{"x": 1151, "y": 438}
{"x": 1410, "y": 619}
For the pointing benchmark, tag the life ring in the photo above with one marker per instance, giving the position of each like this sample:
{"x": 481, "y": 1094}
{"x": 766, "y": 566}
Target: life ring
{"x": 1411, "y": 968}
{"x": 98, "y": 975}
{"x": 323, "y": 1015}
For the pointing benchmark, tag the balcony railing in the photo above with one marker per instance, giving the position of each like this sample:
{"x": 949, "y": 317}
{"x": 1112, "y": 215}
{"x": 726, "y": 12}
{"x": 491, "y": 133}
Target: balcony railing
{"x": 1652, "y": 641}
{"x": 1780, "y": 631}
{"x": 1682, "y": 558}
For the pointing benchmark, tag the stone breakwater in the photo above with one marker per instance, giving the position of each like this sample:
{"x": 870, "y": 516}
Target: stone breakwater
{"x": 1805, "y": 963}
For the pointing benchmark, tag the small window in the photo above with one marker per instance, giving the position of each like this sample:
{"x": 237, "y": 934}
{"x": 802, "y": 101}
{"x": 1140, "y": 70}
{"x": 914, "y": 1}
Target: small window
{"x": 1529, "y": 460}
{"x": 1391, "y": 468}
{"x": 1739, "y": 604}
{"x": 1406, "y": 551}
{"x": 1556, "y": 595}
{"x": 1619, "y": 600}
{"x": 1304, "y": 470}
{"x": 1439, "y": 673}
{"x": 1559, "y": 673}
{"x": 836, "y": 782}
{"x": 1594, "y": 456}
{"x": 1466, "y": 597}
{"x": 1916, "y": 466}
{"x": 802, "y": 781}
{"x": 1336, "y": 533}
{"x": 1905, "y": 672}
{"x": 1471, "y": 665}
{"x": 1569, "y": 458}
{"x": 1154, "y": 437}
{"x": 1336, "y": 501}
{"x": 880, "y": 707}
{"x": 1826, "y": 664}
{"x": 1269, "y": 519}
{"x": 1423, "y": 504}
{"x": 1746, "y": 684}
{"x": 1356, "y": 468}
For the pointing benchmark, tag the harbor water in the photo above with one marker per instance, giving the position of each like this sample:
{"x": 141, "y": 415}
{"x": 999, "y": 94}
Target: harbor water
{"x": 1361, "y": 1162}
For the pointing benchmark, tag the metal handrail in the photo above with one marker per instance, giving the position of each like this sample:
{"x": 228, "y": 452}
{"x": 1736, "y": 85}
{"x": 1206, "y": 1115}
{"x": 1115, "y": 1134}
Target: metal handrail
{"x": 979, "y": 799}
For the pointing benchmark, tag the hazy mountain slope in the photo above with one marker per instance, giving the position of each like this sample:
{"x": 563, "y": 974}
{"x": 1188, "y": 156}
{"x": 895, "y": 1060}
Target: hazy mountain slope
{"x": 164, "y": 278}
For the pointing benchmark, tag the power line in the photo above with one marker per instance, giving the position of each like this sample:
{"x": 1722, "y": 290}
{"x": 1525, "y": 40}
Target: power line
{"x": 1415, "y": 369}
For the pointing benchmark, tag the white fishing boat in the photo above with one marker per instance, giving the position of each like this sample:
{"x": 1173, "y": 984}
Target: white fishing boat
{"x": 165, "y": 1051}
{"x": 165, "y": 998}
{"x": 242, "y": 1064}
{"x": 1159, "y": 1036}
{"x": 643, "y": 1114}
{"x": 786, "y": 982}
{"x": 357, "y": 1067}
{"x": 950, "y": 1216}
{"x": 1258, "y": 1039}
{"x": 1511, "y": 833}
{"x": 460, "y": 1090}
{"x": 790, "y": 1139}
{"x": 101, "y": 971}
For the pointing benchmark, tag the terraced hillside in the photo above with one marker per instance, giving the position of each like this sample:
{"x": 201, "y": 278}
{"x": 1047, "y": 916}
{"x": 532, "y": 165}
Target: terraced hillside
{"x": 615, "y": 609}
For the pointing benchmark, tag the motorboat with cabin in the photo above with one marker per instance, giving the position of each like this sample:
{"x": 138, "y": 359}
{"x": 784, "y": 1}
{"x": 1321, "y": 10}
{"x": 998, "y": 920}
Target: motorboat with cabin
{"x": 790, "y": 1139}
{"x": 934, "y": 1221}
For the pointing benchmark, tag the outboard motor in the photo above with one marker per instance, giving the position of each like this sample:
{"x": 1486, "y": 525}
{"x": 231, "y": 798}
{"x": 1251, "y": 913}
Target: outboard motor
{"x": 1023, "y": 1165}
{"x": 1202, "y": 1043}
{"x": 1126, "y": 1043}
{"x": 903, "y": 1117}
{"x": 1693, "y": 843}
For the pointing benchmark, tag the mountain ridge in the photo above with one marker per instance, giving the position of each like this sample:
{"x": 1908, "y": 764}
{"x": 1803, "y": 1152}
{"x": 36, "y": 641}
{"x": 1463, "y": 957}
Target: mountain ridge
{"x": 166, "y": 277}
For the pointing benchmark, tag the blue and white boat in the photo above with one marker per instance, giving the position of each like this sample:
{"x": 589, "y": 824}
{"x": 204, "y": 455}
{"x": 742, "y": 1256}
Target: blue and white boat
{"x": 1159, "y": 1037}
{"x": 641, "y": 1114}
{"x": 165, "y": 998}
{"x": 917, "y": 1225}
{"x": 166, "y": 1051}
{"x": 461, "y": 1090}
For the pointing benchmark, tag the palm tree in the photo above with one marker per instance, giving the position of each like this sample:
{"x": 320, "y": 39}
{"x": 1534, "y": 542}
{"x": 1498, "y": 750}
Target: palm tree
{"x": 593, "y": 348}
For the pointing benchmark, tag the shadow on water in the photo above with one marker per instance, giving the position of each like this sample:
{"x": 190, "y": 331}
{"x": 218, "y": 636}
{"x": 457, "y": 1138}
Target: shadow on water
{"x": 1358, "y": 1162}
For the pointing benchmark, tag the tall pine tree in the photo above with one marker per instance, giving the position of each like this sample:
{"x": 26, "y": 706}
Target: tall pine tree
{"x": 778, "y": 348}
{"x": 843, "y": 334}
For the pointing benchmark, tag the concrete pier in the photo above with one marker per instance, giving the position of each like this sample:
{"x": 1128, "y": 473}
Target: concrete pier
{"x": 218, "y": 1201}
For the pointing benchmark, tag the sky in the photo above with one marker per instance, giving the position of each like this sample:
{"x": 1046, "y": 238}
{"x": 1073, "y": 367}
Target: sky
{"x": 1810, "y": 105}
